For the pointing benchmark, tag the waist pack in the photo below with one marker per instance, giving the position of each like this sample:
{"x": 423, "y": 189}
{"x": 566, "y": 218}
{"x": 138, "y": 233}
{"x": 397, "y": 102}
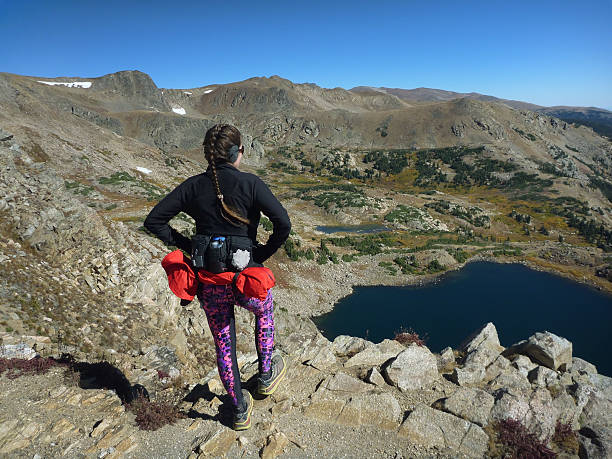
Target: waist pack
{"x": 183, "y": 280}
{"x": 218, "y": 254}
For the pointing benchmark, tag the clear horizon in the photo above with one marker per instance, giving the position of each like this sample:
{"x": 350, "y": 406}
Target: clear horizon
{"x": 549, "y": 53}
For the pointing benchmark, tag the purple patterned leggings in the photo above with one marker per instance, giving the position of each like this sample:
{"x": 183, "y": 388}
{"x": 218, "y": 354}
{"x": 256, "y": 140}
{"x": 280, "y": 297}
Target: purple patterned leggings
{"x": 218, "y": 303}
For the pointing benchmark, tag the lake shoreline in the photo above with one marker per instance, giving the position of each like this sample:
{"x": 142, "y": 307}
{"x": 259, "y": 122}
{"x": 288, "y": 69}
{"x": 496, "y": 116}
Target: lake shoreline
{"x": 445, "y": 313}
{"x": 342, "y": 291}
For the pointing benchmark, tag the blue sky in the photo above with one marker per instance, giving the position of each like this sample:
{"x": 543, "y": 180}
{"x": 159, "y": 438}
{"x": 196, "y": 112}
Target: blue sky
{"x": 544, "y": 52}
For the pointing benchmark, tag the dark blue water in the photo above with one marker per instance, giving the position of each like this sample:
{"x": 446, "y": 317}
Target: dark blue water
{"x": 360, "y": 229}
{"x": 518, "y": 300}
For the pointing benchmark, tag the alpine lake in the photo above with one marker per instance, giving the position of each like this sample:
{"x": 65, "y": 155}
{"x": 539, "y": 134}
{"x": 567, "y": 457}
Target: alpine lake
{"x": 518, "y": 300}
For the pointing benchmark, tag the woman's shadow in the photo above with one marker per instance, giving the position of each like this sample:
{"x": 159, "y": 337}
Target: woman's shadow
{"x": 103, "y": 375}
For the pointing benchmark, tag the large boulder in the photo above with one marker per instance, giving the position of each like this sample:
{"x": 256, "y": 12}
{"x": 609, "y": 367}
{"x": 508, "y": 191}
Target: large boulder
{"x": 482, "y": 346}
{"x": 545, "y": 348}
{"x": 470, "y": 374}
{"x": 481, "y": 349}
{"x": 473, "y": 405}
{"x": 511, "y": 379}
{"x": 432, "y": 428}
{"x": 326, "y": 405}
{"x": 414, "y": 368}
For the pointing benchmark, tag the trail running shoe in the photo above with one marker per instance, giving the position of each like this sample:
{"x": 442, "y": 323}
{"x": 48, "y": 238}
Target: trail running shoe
{"x": 267, "y": 386}
{"x": 242, "y": 419}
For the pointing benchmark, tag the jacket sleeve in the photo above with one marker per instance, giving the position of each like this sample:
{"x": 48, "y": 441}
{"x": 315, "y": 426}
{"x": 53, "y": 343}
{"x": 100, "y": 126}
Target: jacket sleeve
{"x": 164, "y": 211}
{"x": 273, "y": 209}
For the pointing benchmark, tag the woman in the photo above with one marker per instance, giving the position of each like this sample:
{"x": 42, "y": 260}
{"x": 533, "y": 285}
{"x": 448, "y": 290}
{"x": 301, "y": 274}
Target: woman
{"x": 226, "y": 202}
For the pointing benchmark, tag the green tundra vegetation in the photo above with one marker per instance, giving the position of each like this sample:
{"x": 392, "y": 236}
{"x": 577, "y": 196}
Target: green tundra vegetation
{"x": 332, "y": 197}
{"x": 526, "y": 135}
{"x": 523, "y": 200}
{"x": 151, "y": 192}
{"x": 473, "y": 215}
{"x": 404, "y": 214}
{"x": 604, "y": 186}
{"x": 389, "y": 162}
{"x": 78, "y": 188}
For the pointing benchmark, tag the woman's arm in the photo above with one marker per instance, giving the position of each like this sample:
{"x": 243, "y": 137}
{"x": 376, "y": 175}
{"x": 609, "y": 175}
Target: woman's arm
{"x": 274, "y": 210}
{"x": 164, "y": 211}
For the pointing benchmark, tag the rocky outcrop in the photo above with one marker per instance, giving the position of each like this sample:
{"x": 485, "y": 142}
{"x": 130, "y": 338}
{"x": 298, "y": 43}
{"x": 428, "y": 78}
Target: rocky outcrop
{"x": 416, "y": 411}
{"x": 133, "y": 87}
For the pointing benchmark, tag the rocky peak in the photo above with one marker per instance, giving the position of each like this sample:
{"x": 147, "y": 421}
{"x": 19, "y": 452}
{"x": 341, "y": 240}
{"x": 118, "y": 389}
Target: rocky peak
{"x": 131, "y": 86}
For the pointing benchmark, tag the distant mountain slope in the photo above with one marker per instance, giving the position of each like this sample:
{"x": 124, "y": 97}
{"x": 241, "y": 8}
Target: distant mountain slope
{"x": 434, "y": 95}
{"x": 276, "y": 111}
{"x": 597, "y": 118}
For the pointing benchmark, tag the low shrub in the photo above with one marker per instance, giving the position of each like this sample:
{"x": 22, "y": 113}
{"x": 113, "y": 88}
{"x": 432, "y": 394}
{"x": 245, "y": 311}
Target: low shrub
{"x": 407, "y": 337}
{"x": 516, "y": 441}
{"x": 566, "y": 438}
{"x": 153, "y": 415}
{"x": 15, "y": 368}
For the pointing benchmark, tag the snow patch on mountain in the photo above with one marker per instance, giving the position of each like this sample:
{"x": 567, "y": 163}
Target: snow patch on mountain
{"x": 70, "y": 84}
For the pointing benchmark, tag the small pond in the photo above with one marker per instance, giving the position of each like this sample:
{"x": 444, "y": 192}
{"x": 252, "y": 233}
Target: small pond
{"x": 360, "y": 229}
{"x": 518, "y": 300}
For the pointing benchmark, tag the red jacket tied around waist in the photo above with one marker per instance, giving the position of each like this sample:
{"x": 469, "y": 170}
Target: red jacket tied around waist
{"x": 252, "y": 282}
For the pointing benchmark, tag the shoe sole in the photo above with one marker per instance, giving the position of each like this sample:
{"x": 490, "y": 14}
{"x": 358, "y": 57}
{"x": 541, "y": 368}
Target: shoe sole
{"x": 272, "y": 387}
{"x": 246, "y": 424}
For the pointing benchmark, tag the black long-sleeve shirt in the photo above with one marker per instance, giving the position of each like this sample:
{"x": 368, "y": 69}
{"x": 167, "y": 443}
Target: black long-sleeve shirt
{"x": 197, "y": 197}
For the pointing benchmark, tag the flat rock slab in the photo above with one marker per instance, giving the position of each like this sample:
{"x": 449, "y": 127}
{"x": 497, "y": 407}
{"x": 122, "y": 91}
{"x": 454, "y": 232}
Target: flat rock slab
{"x": 378, "y": 409}
{"x": 365, "y": 408}
{"x": 341, "y": 382}
{"x": 473, "y": 405}
{"x": 376, "y": 355}
{"x": 432, "y": 428}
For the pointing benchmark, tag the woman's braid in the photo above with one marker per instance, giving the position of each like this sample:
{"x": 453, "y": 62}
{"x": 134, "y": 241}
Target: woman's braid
{"x": 217, "y": 142}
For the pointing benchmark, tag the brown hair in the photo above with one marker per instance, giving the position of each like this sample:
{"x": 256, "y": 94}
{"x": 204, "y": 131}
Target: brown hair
{"x": 217, "y": 143}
